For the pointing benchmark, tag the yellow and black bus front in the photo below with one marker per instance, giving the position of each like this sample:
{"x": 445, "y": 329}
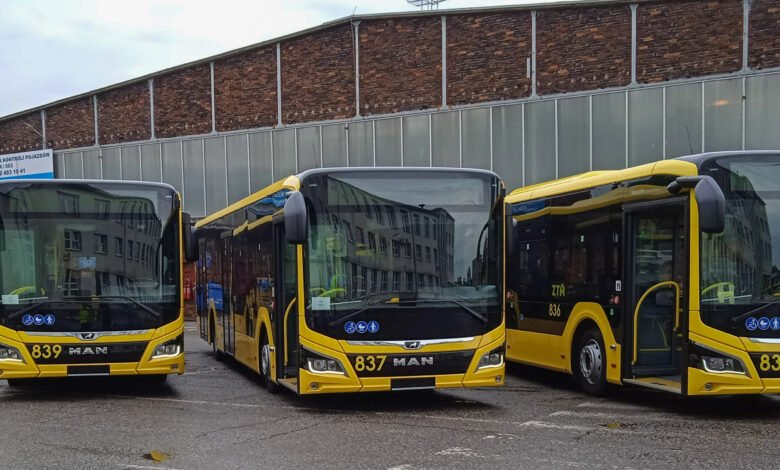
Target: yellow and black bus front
{"x": 402, "y": 280}
{"x": 90, "y": 276}
{"x": 734, "y": 330}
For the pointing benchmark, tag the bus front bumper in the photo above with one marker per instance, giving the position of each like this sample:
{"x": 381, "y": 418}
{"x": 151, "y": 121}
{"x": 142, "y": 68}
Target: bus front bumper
{"x": 351, "y": 381}
{"x": 752, "y": 381}
{"x": 29, "y": 368}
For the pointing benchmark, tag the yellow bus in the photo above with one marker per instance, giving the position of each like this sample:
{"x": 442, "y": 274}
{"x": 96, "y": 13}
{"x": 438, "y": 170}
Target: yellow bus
{"x": 663, "y": 275}
{"x": 359, "y": 279}
{"x": 90, "y": 277}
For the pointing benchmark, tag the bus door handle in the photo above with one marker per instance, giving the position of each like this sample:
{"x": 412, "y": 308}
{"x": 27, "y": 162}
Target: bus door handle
{"x": 284, "y": 328}
{"x": 639, "y": 306}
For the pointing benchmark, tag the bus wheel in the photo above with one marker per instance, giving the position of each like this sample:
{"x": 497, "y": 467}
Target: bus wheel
{"x": 265, "y": 365}
{"x": 213, "y": 336}
{"x": 590, "y": 363}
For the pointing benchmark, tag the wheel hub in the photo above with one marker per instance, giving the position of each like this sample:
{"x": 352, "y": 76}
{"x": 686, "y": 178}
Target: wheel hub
{"x": 591, "y": 362}
{"x": 265, "y": 358}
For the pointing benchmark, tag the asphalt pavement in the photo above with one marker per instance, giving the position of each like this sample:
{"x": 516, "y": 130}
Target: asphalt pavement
{"x": 218, "y": 415}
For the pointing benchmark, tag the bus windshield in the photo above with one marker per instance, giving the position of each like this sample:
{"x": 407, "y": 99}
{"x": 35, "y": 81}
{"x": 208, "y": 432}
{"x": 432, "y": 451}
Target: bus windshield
{"x": 403, "y": 255}
{"x": 88, "y": 257}
{"x": 739, "y": 267}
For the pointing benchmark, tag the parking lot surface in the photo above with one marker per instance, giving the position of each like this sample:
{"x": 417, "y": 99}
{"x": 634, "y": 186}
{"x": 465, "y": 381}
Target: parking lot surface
{"x": 218, "y": 415}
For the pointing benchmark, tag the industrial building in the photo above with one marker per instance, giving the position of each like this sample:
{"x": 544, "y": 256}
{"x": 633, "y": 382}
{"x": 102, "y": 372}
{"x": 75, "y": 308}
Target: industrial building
{"x": 531, "y": 92}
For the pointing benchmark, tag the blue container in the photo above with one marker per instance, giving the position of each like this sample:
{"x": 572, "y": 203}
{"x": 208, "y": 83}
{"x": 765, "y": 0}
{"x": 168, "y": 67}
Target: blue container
{"x": 215, "y": 293}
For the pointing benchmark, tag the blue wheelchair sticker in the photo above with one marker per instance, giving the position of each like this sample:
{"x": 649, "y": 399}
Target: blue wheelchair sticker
{"x": 763, "y": 323}
{"x": 751, "y": 324}
{"x": 350, "y": 327}
{"x": 362, "y": 327}
{"x": 38, "y": 319}
{"x": 373, "y": 326}
{"x": 27, "y": 320}
{"x": 49, "y": 320}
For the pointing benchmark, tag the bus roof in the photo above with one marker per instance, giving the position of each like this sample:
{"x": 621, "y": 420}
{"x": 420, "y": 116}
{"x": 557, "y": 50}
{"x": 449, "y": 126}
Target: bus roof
{"x": 293, "y": 183}
{"x": 678, "y": 166}
{"x": 702, "y": 158}
{"x": 379, "y": 169}
{"x": 290, "y": 182}
{"x": 683, "y": 166}
{"x": 75, "y": 182}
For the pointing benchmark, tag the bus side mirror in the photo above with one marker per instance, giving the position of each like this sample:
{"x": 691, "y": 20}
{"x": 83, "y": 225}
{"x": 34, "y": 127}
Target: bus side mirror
{"x": 709, "y": 199}
{"x": 295, "y": 225}
{"x": 510, "y": 230}
{"x": 190, "y": 247}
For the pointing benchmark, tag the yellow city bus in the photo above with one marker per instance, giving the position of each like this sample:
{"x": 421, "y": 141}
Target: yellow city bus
{"x": 359, "y": 279}
{"x": 663, "y": 275}
{"x": 90, "y": 277}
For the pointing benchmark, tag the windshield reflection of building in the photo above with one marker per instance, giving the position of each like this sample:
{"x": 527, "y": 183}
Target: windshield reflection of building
{"x": 381, "y": 245}
{"x": 743, "y": 253}
{"x": 79, "y": 240}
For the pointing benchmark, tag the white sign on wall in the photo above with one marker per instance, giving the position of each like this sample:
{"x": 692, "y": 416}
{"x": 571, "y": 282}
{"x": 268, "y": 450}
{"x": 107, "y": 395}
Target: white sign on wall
{"x": 38, "y": 164}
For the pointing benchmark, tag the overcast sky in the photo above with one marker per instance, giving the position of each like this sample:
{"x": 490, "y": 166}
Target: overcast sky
{"x": 52, "y": 49}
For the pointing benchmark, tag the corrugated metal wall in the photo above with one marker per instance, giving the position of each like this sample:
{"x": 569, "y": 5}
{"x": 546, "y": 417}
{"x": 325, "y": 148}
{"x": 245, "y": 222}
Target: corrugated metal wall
{"x": 525, "y": 141}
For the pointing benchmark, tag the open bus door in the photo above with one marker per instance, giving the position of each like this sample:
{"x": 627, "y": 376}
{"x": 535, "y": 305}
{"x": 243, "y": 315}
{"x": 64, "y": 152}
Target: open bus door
{"x": 226, "y": 314}
{"x": 656, "y": 254}
{"x": 286, "y": 324}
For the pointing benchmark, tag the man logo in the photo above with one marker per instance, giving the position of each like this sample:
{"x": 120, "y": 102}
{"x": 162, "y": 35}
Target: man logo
{"x": 88, "y": 350}
{"x": 87, "y": 336}
{"x": 413, "y": 361}
{"x": 412, "y": 345}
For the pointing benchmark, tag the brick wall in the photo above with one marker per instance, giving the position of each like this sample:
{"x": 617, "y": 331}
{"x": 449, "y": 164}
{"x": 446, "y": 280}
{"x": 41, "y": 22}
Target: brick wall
{"x": 688, "y": 39}
{"x": 583, "y": 48}
{"x": 487, "y": 57}
{"x": 182, "y": 102}
{"x": 318, "y": 76}
{"x": 764, "y": 41}
{"x": 71, "y": 124}
{"x": 400, "y": 65}
{"x": 16, "y": 135}
{"x": 124, "y": 114}
{"x": 245, "y": 90}
{"x": 578, "y": 49}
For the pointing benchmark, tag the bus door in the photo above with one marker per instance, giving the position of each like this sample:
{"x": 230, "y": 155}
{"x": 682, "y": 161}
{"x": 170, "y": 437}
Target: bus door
{"x": 226, "y": 314}
{"x": 201, "y": 290}
{"x": 285, "y": 286}
{"x": 656, "y": 267}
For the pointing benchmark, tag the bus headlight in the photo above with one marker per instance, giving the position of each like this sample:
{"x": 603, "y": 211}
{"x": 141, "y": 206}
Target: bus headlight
{"x": 170, "y": 348}
{"x": 7, "y": 353}
{"x": 715, "y": 361}
{"x": 494, "y": 358}
{"x": 319, "y": 364}
{"x": 721, "y": 364}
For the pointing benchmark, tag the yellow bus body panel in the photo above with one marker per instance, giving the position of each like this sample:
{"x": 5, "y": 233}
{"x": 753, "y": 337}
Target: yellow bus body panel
{"x": 146, "y": 366}
{"x": 553, "y": 351}
{"x": 320, "y": 383}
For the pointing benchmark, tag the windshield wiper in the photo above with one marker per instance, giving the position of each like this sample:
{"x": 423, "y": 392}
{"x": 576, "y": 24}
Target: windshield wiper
{"x": 369, "y": 305}
{"x": 20, "y": 312}
{"x": 465, "y": 308}
{"x": 138, "y": 304}
{"x": 742, "y": 316}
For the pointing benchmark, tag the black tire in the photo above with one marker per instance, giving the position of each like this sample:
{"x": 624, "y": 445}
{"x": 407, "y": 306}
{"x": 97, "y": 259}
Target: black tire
{"x": 265, "y": 365}
{"x": 589, "y": 362}
{"x": 213, "y": 336}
